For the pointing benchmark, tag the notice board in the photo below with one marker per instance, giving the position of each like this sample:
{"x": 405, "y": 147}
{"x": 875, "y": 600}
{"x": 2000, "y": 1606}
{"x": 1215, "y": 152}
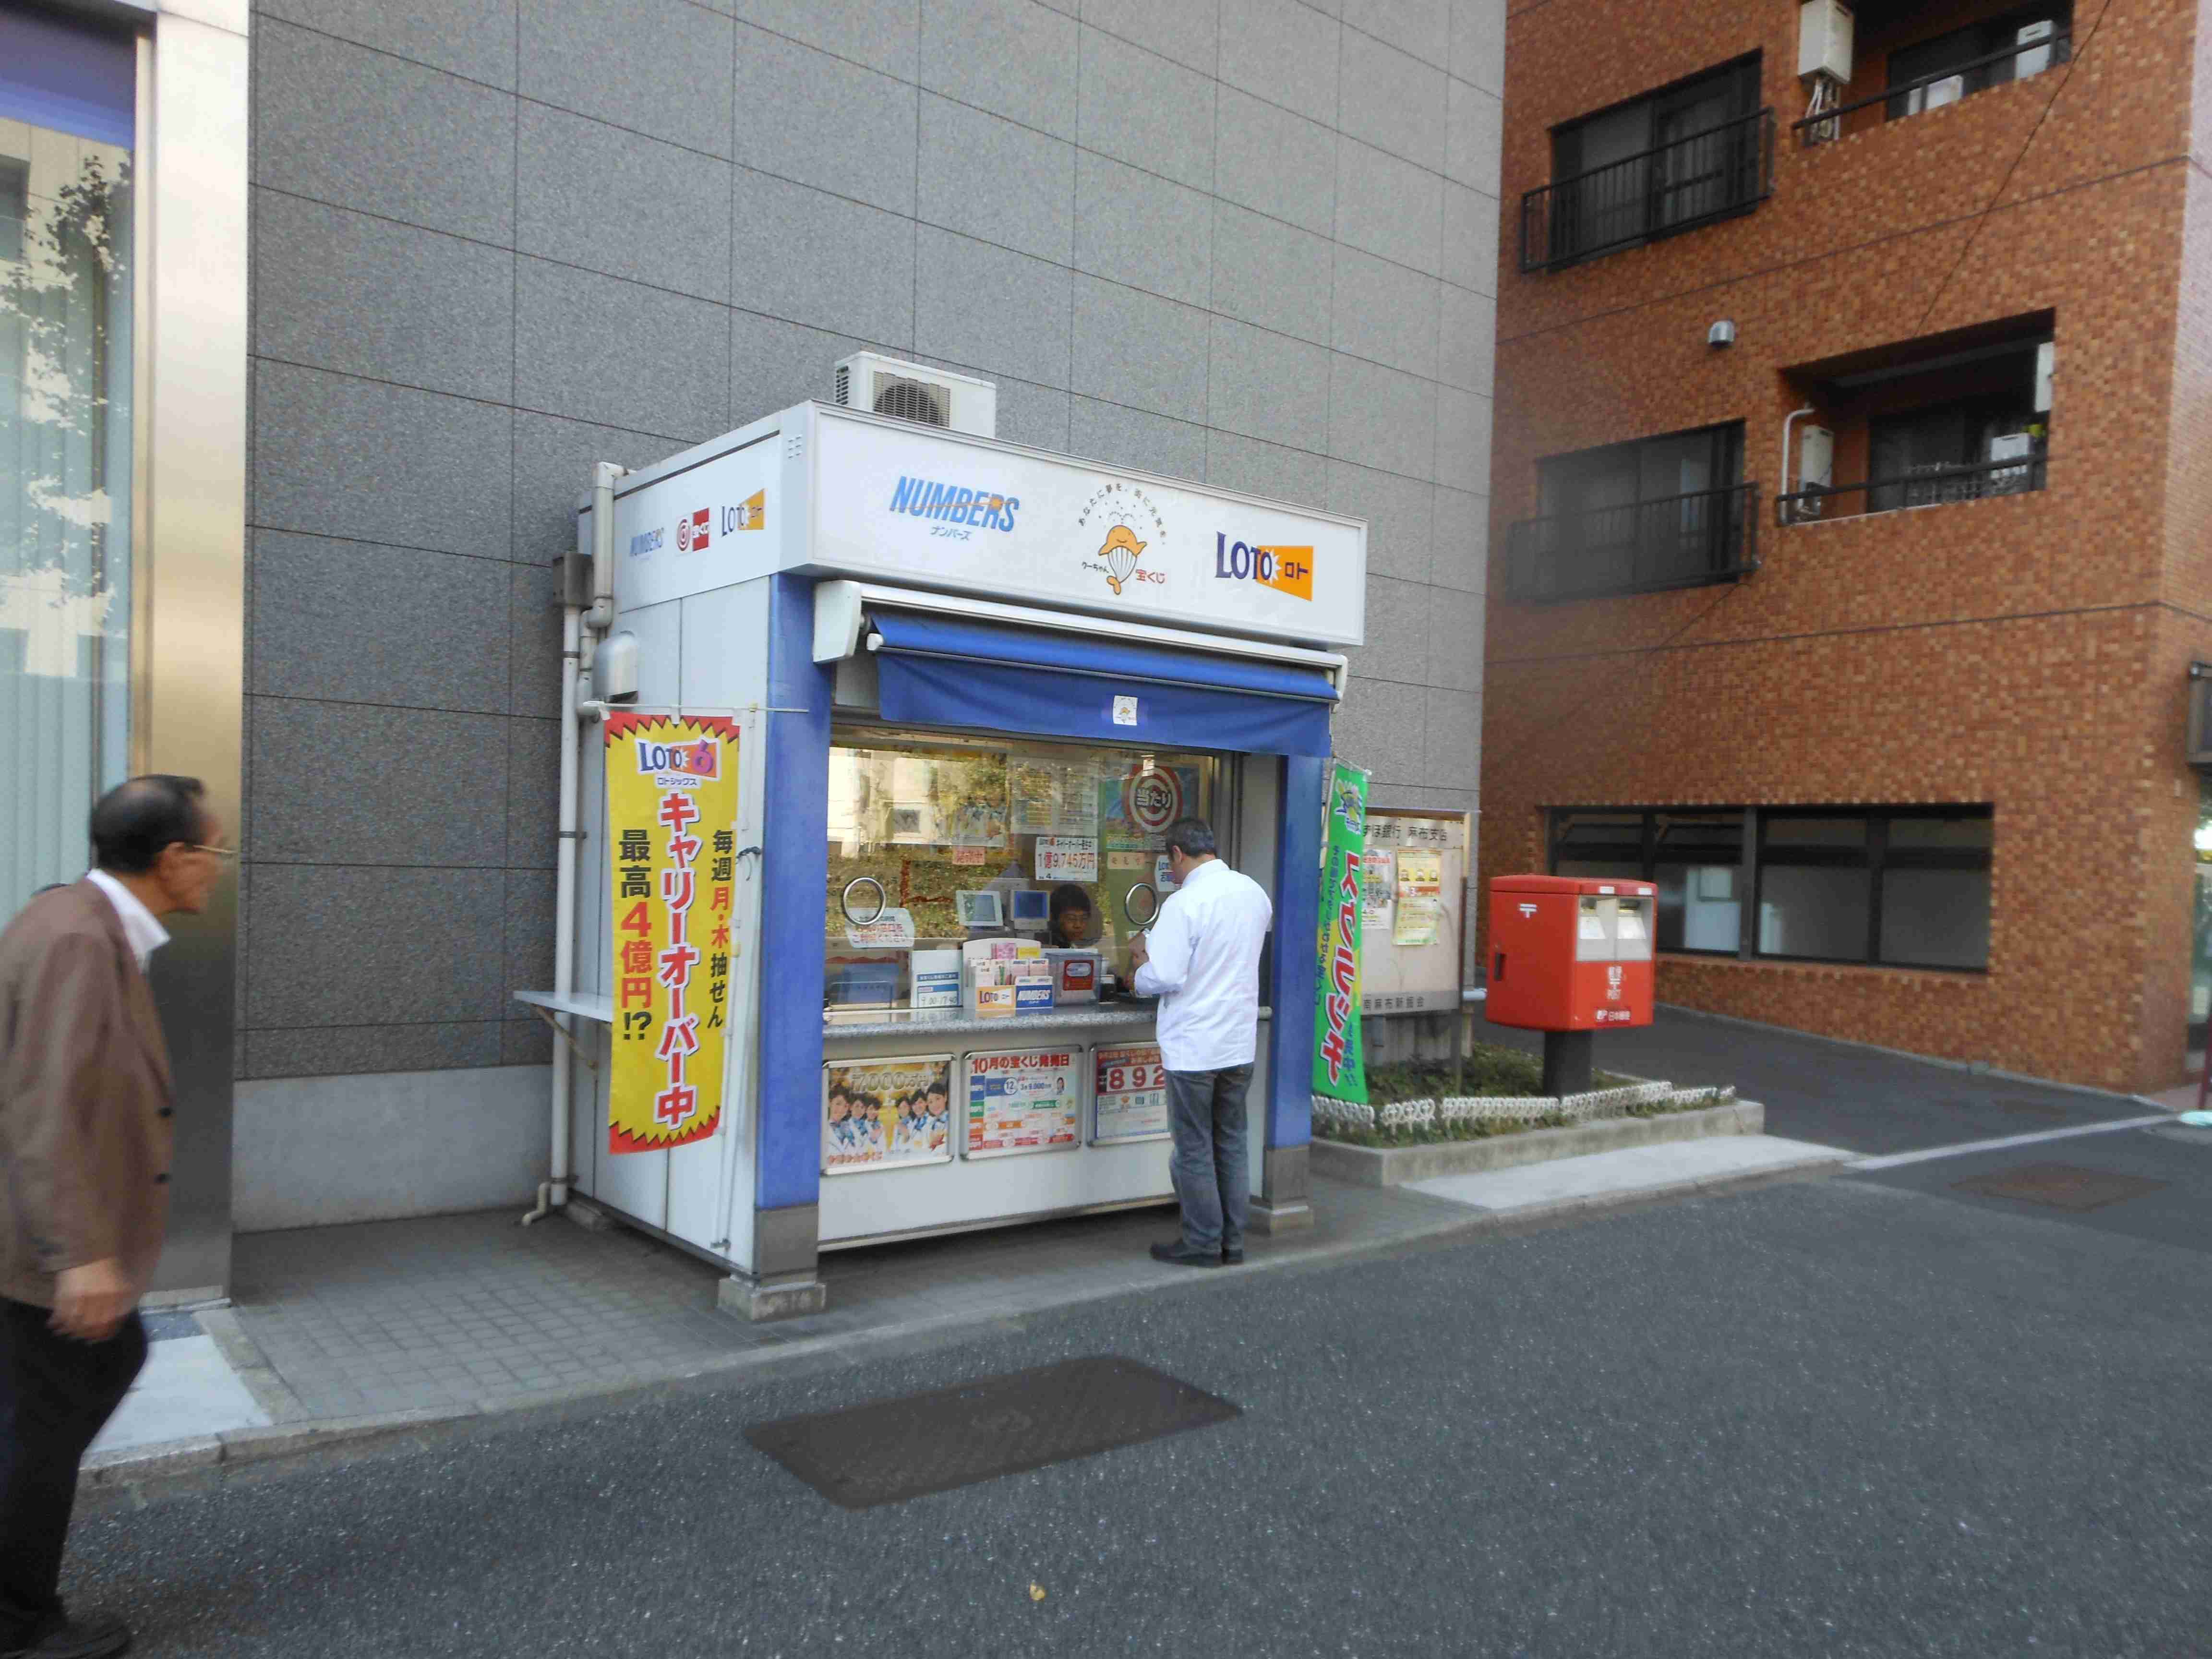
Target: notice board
{"x": 1413, "y": 910}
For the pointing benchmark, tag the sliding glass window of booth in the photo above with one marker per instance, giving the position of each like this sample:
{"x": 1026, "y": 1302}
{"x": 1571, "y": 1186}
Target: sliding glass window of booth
{"x": 956, "y": 839}
{"x": 1903, "y": 887}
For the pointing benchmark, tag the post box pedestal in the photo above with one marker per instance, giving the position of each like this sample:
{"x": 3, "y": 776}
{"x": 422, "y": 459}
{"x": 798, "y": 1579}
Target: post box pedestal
{"x": 1566, "y": 1063}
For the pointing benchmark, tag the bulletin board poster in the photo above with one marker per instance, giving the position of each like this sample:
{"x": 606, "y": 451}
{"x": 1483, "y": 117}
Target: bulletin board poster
{"x": 1420, "y": 886}
{"x": 1378, "y": 887}
{"x": 886, "y": 1113}
{"x": 1129, "y": 1095}
{"x": 672, "y": 817}
{"x": 1025, "y": 1100}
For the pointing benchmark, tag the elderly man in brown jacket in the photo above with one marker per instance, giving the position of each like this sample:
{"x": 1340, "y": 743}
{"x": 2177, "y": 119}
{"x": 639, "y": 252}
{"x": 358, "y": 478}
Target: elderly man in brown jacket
{"x": 85, "y": 1112}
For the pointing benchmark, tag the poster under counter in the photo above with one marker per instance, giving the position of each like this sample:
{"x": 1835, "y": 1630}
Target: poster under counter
{"x": 1024, "y": 1100}
{"x": 886, "y": 1113}
{"x": 1129, "y": 1095}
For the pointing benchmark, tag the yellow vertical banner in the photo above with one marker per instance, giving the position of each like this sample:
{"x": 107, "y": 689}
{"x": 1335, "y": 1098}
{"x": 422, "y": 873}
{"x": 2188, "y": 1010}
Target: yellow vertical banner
{"x": 672, "y": 818}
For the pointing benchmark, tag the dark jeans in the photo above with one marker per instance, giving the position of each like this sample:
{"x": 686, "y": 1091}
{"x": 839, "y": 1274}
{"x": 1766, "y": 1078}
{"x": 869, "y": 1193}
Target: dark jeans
{"x": 54, "y": 1395}
{"x": 1207, "y": 1109}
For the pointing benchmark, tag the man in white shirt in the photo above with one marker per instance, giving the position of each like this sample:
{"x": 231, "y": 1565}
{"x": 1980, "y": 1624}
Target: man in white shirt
{"x": 1202, "y": 959}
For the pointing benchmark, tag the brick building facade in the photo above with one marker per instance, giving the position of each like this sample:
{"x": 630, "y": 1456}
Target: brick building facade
{"x": 1920, "y": 735}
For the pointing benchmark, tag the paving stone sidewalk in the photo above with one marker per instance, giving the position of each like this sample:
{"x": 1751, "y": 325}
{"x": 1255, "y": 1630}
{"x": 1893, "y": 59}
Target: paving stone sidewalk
{"x": 473, "y": 1312}
{"x": 341, "y": 1330}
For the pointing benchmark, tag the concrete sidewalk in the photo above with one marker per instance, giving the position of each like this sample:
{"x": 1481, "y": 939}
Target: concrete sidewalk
{"x": 345, "y": 1332}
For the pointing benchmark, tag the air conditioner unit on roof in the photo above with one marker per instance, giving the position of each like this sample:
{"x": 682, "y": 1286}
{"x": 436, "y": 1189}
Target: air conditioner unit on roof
{"x": 908, "y": 391}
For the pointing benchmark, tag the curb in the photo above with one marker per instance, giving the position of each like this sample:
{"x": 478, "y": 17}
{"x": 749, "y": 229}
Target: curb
{"x": 1395, "y": 1166}
{"x": 1533, "y": 1215}
{"x": 166, "y": 1458}
{"x": 172, "y": 1460}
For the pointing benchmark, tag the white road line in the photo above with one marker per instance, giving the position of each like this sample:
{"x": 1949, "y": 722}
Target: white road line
{"x": 2003, "y": 1141}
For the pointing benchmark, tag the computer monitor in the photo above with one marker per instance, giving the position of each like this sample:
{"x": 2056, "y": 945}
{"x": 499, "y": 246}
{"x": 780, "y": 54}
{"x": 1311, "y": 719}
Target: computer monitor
{"x": 978, "y": 908}
{"x": 1032, "y": 907}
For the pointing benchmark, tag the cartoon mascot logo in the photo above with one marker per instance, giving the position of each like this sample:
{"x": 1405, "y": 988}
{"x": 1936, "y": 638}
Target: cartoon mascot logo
{"x": 1121, "y": 553}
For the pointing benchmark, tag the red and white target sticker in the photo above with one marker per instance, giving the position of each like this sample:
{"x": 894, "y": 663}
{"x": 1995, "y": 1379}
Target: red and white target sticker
{"x": 1152, "y": 797}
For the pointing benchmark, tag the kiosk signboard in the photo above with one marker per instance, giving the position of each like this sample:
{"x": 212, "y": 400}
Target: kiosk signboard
{"x": 849, "y": 494}
{"x": 672, "y": 786}
{"x": 1028, "y": 1100}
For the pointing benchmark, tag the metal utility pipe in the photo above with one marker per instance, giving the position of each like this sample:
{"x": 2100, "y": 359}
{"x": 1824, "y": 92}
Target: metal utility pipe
{"x": 553, "y": 1191}
{"x": 580, "y": 629}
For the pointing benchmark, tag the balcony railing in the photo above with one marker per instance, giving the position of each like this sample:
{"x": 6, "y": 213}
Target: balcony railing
{"x": 1918, "y": 486}
{"x": 1714, "y": 174}
{"x": 1683, "y": 541}
{"x": 1911, "y": 97}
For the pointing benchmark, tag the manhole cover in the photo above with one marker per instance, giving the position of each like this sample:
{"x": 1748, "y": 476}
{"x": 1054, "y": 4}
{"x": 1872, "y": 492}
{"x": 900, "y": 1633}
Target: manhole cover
{"x": 2061, "y": 1186}
{"x": 894, "y": 1450}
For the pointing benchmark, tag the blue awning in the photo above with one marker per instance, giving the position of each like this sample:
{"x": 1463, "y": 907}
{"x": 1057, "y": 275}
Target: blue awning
{"x": 945, "y": 670}
{"x": 69, "y": 74}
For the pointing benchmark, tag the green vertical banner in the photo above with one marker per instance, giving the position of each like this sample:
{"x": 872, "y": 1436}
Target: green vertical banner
{"x": 1338, "y": 1070}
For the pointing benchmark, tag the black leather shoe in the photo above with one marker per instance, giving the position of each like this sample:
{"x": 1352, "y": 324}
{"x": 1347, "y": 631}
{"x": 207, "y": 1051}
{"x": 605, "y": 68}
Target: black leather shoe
{"x": 1232, "y": 1258}
{"x": 1183, "y": 1256}
{"x": 74, "y": 1639}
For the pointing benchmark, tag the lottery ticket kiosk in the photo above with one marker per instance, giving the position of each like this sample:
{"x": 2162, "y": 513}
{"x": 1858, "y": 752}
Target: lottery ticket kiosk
{"x": 878, "y": 729}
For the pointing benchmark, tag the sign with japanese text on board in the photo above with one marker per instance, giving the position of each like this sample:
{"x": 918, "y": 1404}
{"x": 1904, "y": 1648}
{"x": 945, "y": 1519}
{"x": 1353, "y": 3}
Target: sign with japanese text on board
{"x": 672, "y": 817}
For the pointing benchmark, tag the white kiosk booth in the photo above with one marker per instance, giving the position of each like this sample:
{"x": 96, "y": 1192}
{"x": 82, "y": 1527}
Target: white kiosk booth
{"x": 965, "y": 686}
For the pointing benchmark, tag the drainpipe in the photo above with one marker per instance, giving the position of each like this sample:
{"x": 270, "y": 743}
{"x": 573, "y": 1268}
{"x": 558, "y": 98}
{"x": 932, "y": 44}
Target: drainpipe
{"x": 601, "y": 616}
{"x": 554, "y": 1192}
{"x": 1788, "y": 422}
{"x": 580, "y": 631}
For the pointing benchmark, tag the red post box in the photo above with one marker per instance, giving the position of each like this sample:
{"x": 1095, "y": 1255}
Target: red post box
{"x": 1568, "y": 953}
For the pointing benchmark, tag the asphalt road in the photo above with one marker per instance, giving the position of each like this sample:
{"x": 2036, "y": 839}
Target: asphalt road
{"x": 1837, "y": 1094}
{"x": 1856, "y": 1416}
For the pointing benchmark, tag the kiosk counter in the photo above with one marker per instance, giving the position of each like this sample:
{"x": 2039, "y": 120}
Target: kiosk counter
{"x": 874, "y": 732}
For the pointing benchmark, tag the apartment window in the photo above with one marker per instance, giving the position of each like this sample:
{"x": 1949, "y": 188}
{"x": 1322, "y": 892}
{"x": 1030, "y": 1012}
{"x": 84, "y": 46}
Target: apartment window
{"x": 1955, "y": 452}
{"x": 1674, "y": 159}
{"x": 1903, "y": 887}
{"x": 1633, "y": 517}
{"x": 1956, "y": 417}
{"x": 2012, "y": 47}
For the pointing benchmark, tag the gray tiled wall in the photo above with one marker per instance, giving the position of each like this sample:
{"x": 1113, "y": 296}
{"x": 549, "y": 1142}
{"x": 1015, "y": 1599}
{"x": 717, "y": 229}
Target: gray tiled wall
{"x": 1253, "y": 241}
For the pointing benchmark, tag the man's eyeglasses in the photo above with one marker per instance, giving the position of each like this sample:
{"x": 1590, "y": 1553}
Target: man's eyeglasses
{"x": 220, "y": 852}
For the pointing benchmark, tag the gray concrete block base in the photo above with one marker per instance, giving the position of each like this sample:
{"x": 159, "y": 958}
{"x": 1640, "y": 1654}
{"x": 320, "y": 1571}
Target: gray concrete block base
{"x": 759, "y": 1301}
{"x": 1283, "y": 1216}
